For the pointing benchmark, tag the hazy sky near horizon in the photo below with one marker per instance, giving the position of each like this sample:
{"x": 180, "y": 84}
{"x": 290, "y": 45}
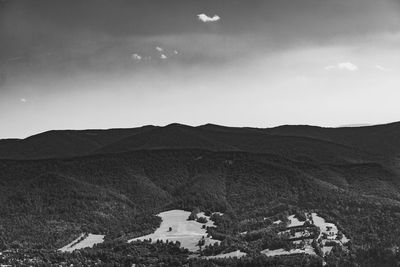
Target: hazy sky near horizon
{"x": 113, "y": 63}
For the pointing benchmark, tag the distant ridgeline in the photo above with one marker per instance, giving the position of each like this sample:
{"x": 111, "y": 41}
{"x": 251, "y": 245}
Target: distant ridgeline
{"x": 76, "y": 189}
{"x": 349, "y": 143}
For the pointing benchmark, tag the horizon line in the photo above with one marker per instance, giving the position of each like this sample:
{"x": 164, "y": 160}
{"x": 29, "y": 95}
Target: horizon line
{"x": 355, "y": 125}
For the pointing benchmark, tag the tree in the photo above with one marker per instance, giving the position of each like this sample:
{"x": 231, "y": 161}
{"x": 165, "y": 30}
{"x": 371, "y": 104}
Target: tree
{"x": 202, "y": 220}
{"x": 201, "y": 242}
{"x": 193, "y": 216}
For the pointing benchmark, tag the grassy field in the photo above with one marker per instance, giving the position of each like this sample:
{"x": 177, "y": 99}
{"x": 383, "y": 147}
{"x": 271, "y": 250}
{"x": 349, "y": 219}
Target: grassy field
{"x": 83, "y": 241}
{"x": 176, "y": 227}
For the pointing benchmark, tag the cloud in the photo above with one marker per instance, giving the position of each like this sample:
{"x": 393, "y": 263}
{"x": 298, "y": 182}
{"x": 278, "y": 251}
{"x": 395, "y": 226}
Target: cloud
{"x": 159, "y": 49}
{"x": 23, "y": 100}
{"x": 163, "y": 56}
{"x": 136, "y": 57}
{"x": 347, "y": 66}
{"x": 14, "y": 58}
{"x": 384, "y": 69}
{"x": 205, "y": 18}
{"x": 176, "y": 52}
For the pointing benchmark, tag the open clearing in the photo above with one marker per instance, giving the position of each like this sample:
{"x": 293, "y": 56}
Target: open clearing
{"x": 188, "y": 233}
{"x": 281, "y": 251}
{"x": 83, "y": 242}
{"x": 293, "y": 221}
{"x": 330, "y": 229}
{"x": 328, "y": 233}
{"x": 234, "y": 254}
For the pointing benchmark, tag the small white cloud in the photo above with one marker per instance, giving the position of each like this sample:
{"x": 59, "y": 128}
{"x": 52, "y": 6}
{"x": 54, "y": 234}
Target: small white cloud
{"x": 163, "y": 56}
{"x": 159, "y": 49}
{"x": 347, "y": 66}
{"x": 23, "y": 100}
{"x": 176, "y": 52}
{"x": 136, "y": 57}
{"x": 205, "y": 18}
{"x": 384, "y": 69}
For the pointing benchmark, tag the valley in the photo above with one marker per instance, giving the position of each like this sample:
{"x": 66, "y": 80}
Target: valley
{"x": 267, "y": 199}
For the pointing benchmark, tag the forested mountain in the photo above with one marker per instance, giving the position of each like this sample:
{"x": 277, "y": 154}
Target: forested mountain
{"x": 58, "y": 184}
{"x": 382, "y": 139}
{"x": 63, "y": 143}
{"x": 357, "y": 142}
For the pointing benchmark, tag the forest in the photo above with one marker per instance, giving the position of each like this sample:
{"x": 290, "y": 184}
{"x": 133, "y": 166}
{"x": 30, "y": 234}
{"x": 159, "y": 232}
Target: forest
{"x": 47, "y": 203}
{"x": 116, "y": 185}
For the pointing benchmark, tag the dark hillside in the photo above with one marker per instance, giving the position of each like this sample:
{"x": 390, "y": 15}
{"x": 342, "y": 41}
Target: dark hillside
{"x": 379, "y": 139}
{"x": 112, "y": 182}
{"x": 63, "y": 143}
{"x": 116, "y": 193}
{"x": 46, "y": 210}
{"x": 349, "y": 144}
{"x": 184, "y": 137}
{"x": 174, "y": 136}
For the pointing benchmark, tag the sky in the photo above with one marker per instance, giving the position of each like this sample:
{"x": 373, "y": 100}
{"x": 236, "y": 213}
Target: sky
{"x": 261, "y": 63}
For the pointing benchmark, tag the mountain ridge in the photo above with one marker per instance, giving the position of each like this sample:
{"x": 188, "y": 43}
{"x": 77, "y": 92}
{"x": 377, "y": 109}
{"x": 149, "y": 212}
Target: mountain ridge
{"x": 73, "y": 143}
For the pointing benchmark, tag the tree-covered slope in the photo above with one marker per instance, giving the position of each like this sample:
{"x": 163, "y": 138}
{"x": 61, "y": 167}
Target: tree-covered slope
{"x": 114, "y": 193}
{"x": 352, "y": 144}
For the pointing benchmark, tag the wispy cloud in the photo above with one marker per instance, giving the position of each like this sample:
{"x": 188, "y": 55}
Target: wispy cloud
{"x": 346, "y": 66}
{"x": 159, "y": 49}
{"x": 163, "y": 56}
{"x": 23, "y": 100}
{"x": 14, "y": 58}
{"x": 384, "y": 69}
{"x": 136, "y": 57}
{"x": 205, "y": 18}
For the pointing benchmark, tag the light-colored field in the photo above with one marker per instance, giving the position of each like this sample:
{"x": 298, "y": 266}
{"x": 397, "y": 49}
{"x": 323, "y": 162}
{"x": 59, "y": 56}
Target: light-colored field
{"x": 344, "y": 240}
{"x": 87, "y": 242}
{"x": 294, "y": 221}
{"x": 188, "y": 233}
{"x": 234, "y": 254}
{"x": 277, "y": 252}
{"x": 326, "y": 249}
{"x": 329, "y": 229}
